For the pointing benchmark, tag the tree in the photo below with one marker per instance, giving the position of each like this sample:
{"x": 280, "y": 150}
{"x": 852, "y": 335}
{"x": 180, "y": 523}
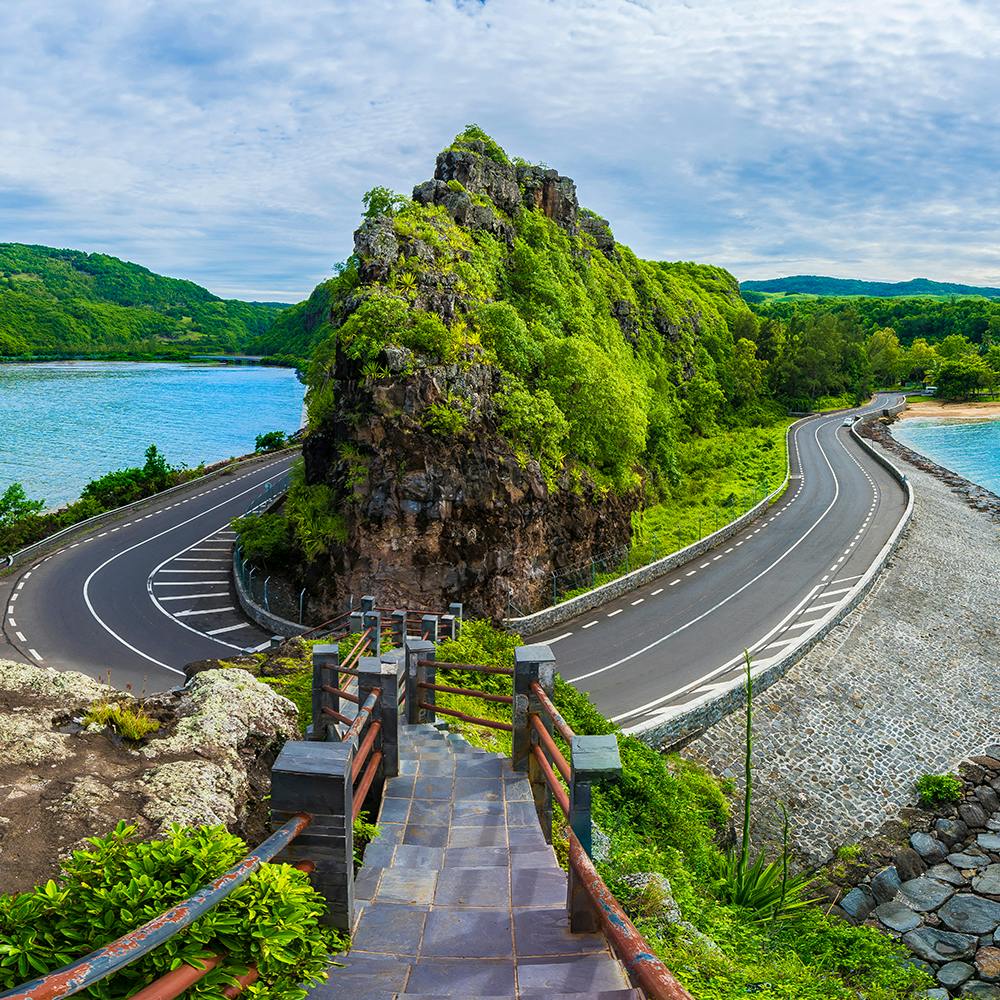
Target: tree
{"x": 270, "y": 441}
{"x": 749, "y": 373}
{"x": 885, "y": 355}
{"x": 959, "y": 378}
{"x": 15, "y": 505}
{"x": 920, "y": 359}
{"x": 955, "y": 346}
{"x": 382, "y": 201}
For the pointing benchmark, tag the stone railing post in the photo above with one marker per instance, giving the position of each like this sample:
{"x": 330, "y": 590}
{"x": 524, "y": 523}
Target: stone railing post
{"x": 373, "y": 620}
{"x": 419, "y": 649}
{"x": 429, "y": 628}
{"x": 449, "y": 626}
{"x": 315, "y": 778}
{"x": 594, "y": 757}
{"x": 325, "y": 660}
{"x": 398, "y": 628}
{"x": 356, "y": 622}
{"x": 367, "y": 603}
{"x": 533, "y": 663}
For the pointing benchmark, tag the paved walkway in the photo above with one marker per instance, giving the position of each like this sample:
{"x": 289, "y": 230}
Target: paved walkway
{"x": 460, "y": 896}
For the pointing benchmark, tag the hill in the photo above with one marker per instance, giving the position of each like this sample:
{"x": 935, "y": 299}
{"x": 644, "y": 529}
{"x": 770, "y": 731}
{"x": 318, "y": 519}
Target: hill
{"x": 808, "y": 284}
{"x": 67, "y": 302}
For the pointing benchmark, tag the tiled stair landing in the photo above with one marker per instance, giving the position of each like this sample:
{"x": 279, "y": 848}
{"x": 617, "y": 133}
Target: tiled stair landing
{"x": 460, "y": 896}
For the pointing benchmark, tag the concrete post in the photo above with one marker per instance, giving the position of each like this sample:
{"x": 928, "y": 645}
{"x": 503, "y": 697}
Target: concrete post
{"x": 392, "y": 702}
{"x": 418, "y": 649}
{"x": 325, "y": 660}
{"x": 449, "y": 626}
{"x": 455, "y": 610}
{"x": 367, "y": 603}
{"x": 533, "y": 663}
{"x": 593, "y": 758}
{"x": 373, "y": 620}
{"x": 429, "y": 628}
{"x": 356, "y": 622}
{"x": 398, "y": 626}
{"x": 315, "y": 778}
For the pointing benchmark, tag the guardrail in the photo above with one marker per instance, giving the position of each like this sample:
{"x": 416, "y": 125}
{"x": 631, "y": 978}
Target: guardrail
{"x": 535, "y": 725}
{"x": 37, "y": 548}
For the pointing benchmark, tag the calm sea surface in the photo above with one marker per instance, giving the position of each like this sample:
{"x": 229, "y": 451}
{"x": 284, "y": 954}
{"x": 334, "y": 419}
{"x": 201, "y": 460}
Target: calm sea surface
{"x": 64, "y": 423}
{"x": 972, "y": 449}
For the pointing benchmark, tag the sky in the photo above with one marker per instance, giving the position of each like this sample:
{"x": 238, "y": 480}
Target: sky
{"x": 231, "y": 143}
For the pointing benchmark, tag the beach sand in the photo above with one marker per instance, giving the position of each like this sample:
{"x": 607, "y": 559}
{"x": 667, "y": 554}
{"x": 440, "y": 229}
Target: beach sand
{"x": 959, "y": 411}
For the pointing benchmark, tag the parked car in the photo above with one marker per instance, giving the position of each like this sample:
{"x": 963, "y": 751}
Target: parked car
{"x": 848, "y": 421}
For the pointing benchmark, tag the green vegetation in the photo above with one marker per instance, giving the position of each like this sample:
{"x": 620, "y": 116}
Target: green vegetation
{"x": 270, "y": 441}
{"x": 55, "y": 303}
{"x": 131, "y": 722}
{"x": 669, "y": 816}
{"x": 938, "y": 789}
{"x": 814, "y": 285}
{"x": 22, "y": 521}
{"x": 120, "y": 882}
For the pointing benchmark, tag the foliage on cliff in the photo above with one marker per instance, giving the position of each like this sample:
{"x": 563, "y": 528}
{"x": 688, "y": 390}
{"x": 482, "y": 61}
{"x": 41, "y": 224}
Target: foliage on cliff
{"x": 604, "y": 358}
{"x": 58, "y": 302}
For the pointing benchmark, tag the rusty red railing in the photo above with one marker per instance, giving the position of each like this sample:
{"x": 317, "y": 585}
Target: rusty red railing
{"x": 98, "y": 965}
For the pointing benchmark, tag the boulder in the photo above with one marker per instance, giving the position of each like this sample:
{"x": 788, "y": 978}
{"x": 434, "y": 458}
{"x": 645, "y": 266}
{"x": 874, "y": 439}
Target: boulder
{"x": 988, "y": 882}
{"x": 950, "y": 831}
{"x": 947, "y": 873}
{"x": 886, "y": 884}
{"x": 858, "y": 903}
{"x": 955, "y": 973}
{"x": 908, "y": 864}
{"x": 897, "y": 917}
{"x": 934, "y": 945}
{"x": 969, "y": 914}
{"x": 988, "y": 963}
{"x": 924, "y": 894}
{"x": 929, "y": 848}
{"x": 989, "y": 841}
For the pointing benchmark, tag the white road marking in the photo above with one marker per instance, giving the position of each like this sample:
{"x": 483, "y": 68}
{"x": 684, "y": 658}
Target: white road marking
{"x": 20, "y": 585}
{"x": 673, "y": 583}
{"x": 639, "y": 601}
{"x": 20, "y": 637}
{"x": 193, "y": 597}
{"x": 691, "y": 572}
{"x": 187, "y": 583}
{"x": 200, "y": 559}
{"x": 38, "y": 656}
{"x": 558, "y": 638}
{"x": 590, "y": 624}
{"x": 730, "y": 549}
{"x": 659, "y": 590}
{"x": 218, "y": 611}
{"x": 26, "y": 575}
{"x": 13, "y": 597}
{"x": 704, "y": 565}
{"x": 12, "y": 623}
{"x": 716, "y": 558}
{"x": 229, "y": 628}
{"x": 842, "y": 590}
{"x": 824, "y": 607}
{"x": 613, "y": 613}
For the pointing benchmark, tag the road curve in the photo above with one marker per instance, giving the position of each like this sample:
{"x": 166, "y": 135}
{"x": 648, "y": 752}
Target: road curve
{"x": 644, "y": 656}
{"x": 146, "y": 596}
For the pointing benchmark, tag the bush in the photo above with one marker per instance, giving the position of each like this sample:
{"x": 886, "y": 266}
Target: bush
{"x": 121, "y": 882}
{"x": 130, "y": 722}
{"x": 266, "y": 539}
{"x": 938, "y": 789}
{"x": 271, "y": 441}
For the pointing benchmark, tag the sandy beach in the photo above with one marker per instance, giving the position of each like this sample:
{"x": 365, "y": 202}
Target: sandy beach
{"x": 960, "y": 411}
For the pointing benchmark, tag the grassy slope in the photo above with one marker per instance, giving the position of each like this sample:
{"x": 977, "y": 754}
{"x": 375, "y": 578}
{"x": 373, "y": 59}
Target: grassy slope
{"x": 55, "y": 302}
{"x": 668, "y": 815}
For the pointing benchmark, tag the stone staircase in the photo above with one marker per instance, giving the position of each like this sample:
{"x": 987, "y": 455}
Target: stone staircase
{"x": 460, "y": 896}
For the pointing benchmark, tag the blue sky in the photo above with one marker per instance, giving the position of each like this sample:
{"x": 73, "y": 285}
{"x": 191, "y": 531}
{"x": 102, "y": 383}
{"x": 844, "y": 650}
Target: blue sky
{"x": 231, "y": 143}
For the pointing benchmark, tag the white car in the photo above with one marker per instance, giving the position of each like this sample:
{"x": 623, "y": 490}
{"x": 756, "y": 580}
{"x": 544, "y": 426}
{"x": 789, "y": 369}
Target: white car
{"x": 848, "y": 421}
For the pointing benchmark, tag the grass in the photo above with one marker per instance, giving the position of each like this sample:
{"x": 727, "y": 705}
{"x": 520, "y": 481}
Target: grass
{"x": 131, "y": 722}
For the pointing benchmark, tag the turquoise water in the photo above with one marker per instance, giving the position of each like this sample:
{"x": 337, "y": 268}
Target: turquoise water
{"x": 63, "y": 423}
{"x": 970, "y": 448}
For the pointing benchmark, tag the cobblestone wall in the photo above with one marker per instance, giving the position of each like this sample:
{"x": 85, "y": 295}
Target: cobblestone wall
{"x": 907, "y": 684}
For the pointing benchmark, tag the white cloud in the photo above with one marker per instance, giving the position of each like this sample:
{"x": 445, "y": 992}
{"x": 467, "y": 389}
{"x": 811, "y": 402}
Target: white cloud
{"x": 231, "y": 143}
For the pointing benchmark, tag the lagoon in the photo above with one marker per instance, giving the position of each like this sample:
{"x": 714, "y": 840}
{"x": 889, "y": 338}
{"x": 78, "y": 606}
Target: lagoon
{"x": 970, "y": 448}
{"x": 64, "y": 423}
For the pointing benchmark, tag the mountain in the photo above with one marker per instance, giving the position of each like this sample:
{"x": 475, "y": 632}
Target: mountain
{"x": 496, "y": 382}
{"x": 67, "y": 302}
{"x": 808, "y": 284}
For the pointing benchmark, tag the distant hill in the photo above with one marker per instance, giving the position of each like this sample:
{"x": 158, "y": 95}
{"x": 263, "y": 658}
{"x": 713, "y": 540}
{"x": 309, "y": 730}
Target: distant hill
{"x": 65, "y": 302}
{"x": 810, "y": 284}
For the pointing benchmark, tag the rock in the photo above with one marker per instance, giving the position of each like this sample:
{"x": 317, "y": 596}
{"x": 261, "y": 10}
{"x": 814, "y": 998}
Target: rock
{"x": 897, "y": 917}
{"x": 989, "y": 881}
{"x": 988, "y": 798}
{"x": 947, "y": 873}
{"x": 933, "y": 945}
{"x": 989, "y": 841}
{"x": 908, "y": 864}
{"x": 968, "y": 862}
{"x": 970, "y": 914}
{"x": 936, "y": 994}
{"x": 886, "y": 884}
{"x": 597, "y": 227}
{"x": 929, "y": 848}
{"x": 955, "y": 973}
{"x": 981, "y": 991}
{"x": 654, "y": 896}
{"x": 553, "y": 194}
{"x": 923, "y": 893}
{"x": 858, "y": 904}
{"x": 973, "y": 815}
{"x": 376, "y": 247}
{"x": 478, "y": 174}
{"x": 950, "y": 831}
{"x": 988, "y": 963}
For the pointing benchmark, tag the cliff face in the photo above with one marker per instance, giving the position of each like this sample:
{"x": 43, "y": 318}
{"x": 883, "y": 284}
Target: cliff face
{"x": 501, "y": 384}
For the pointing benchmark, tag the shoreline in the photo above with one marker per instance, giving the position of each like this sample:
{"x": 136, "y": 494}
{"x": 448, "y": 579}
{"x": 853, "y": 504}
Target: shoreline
{"x": 937, "y": 409}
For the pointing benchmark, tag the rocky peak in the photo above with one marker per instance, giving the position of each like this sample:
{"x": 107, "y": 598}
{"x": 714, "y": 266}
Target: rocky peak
{"x": 548, "y": 191}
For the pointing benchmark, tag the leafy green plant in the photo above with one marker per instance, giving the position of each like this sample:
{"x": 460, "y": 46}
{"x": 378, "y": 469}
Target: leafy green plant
{"x": 265, "y": 539}
{"x": 270, "y": 441}
{"x": 848, "y": 852}
{"x": 938, "y": 789}
{"x": 444, "y": 419}
{"x": 120, "y": 882}
{"x": 364, "y": 833}
{"x": 130, "y": 721}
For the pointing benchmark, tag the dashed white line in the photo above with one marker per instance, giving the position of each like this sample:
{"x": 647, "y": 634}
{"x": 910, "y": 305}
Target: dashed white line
{"x": 691, "y": 572}
{"x": 193, "y": 597}
{"x": 659, "y": 590}
{"x": 591, "y": 624}
{"x": 218, "y": 611}
{"x": 229, "y": 628}
{"x": 638, "y": 601}
{"x": 611, "y": 614}
{"x": 549, "y": 642}
{"x": 20, "y": 637}
{"x": 673, "y": 583}
{"x": 37, "y": 655}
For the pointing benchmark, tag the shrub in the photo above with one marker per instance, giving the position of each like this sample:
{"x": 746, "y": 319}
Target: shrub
{"x": 473, "y": 133}
{"x": 266, "y": 539}
{"x": 270, "y": 441}
{"x": 938, "y": 789}
{"x": 121, "y": 882}
{"x": 443, "y": 420}
{"x": 315, "y": 521}
{"x": 132, "y": 722}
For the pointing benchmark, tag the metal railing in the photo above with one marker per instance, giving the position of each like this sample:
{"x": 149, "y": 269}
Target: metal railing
{"x": 91, "y": 969}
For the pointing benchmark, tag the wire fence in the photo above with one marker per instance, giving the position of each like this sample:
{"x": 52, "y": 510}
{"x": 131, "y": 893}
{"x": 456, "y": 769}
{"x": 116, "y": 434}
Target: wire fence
{"x": 274, "y": 593}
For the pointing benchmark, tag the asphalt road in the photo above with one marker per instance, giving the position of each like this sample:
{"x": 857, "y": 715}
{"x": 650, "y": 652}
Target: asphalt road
{"x": 648, "y": 653}
{"x": 146, "y": 596}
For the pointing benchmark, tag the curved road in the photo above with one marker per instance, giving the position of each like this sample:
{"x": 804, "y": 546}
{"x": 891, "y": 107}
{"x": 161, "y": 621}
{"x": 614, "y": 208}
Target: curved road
{"x": 644, "y": 656}
{"x": 146, "y": 596}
